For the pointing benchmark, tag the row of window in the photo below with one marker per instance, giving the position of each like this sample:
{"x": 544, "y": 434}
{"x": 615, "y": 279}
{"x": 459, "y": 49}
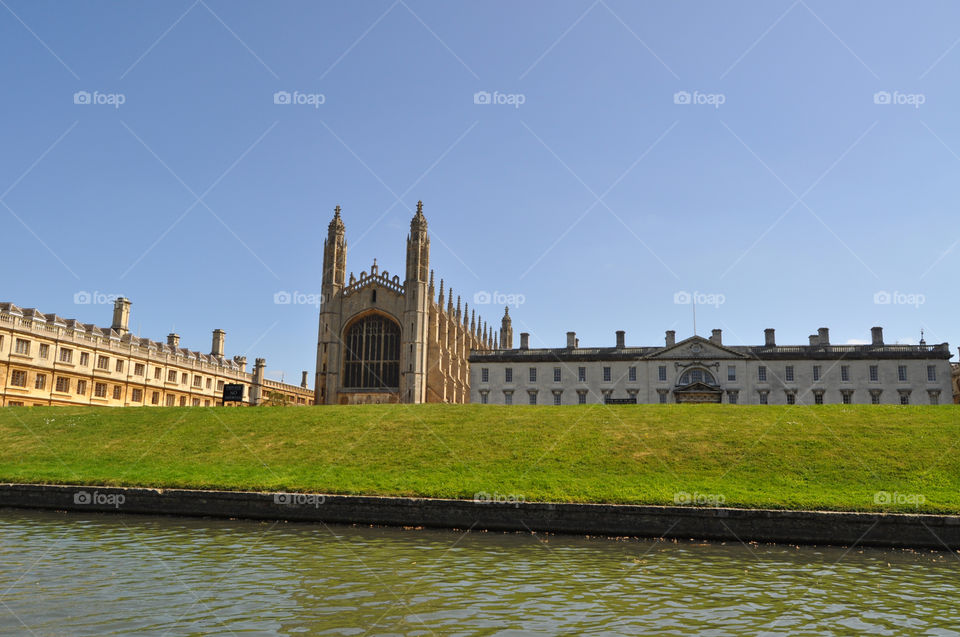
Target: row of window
{"x": 23, "y": 346}
{"x": 704, "y": 376}
{"x": 62, "y": 384}
{"x": 733, "y": 396}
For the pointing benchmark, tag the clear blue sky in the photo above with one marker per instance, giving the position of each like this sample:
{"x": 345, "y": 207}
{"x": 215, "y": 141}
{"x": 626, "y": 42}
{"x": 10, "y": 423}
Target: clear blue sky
{"x": 599, "y": 198}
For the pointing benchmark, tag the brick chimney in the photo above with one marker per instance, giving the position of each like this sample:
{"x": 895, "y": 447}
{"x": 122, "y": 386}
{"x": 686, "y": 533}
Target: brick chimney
{"x": 524, "y": 340}
{"x": 571, "y": 340}
{"x": 173, "y": 340}
{"x": 824, "y": 334}
{"x": 621, "y": 339}
{"x": 121, "y": 315}
{"x": 671, "y": 338}
{"x": 717, "y": 337}
{"x": 769, "y": 337}
{"x": 216, "y": 348}
{"x": 877, "y": 334}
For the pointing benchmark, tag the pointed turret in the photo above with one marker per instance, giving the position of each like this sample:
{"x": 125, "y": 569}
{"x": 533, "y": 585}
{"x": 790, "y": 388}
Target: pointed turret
{"x": 506, "y": 330}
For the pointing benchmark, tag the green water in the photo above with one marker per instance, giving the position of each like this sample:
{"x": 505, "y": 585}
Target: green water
{"x": 71, "y": 574}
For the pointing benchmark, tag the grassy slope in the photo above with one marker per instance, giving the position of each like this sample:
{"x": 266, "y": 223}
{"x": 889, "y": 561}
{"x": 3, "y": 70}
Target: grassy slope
{"x": 828, "y": 457}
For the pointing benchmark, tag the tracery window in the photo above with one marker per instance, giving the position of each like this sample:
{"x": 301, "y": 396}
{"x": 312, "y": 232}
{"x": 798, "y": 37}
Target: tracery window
{"x": 372, "y": 354}
{"x": 696, "y": 376}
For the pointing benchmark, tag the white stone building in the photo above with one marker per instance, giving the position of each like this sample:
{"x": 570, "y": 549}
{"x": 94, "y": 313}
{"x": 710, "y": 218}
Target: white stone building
{"x": 704, "y": 370}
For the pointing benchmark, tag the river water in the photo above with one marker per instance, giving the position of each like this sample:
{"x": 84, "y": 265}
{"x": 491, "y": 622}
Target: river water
{"x": 89, "y": 574}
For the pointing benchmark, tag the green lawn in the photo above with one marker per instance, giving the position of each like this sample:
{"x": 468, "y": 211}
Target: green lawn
{"x": 827, "y": 457}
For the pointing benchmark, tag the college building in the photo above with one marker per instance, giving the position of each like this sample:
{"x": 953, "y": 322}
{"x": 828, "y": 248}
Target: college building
{"x": 383, "y": 340}
{"x": 705, "y": 370}
{"x": 48, "y": 360}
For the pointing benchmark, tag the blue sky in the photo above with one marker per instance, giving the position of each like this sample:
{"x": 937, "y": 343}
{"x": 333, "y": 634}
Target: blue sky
{"x": 788, "y": 161}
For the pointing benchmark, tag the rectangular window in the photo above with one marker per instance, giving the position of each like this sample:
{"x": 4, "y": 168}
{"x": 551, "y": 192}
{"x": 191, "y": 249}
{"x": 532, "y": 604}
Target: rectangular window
{"x": 170, "y": 401}
{"x": 508, "y": 397}
{"x": 23, "y": 347}
{"x": 763, "y": 398}
{"x": 119, "y": 365}
{"x": 582, "y": 374}
{"x": 732, "y": 397}
{"x": 663, "y": 397}
{"x": 63, "y": 384}
{"x": 116, "y": 392}
{"x": 84, "y": 359}
{"x": 632, "y": 374}
{"x": 847, "y": 398}
{"x": 788, "y": 373}
{"x": 902, "y": 373}
{"x": 934, "y": 398}
{"x": 582, "y": 398}
{"x": 41, "y": 381}
{"x": 606, "y": 374}
{"x": 103, "y": 362}
{"x": 932, "y": 373}
{"x": 100, "y": 390}
{"x": 731, "y": 372}
{"x": 157, "y": 372}
{"x": 762, "y": 376}
{"x": 533, "y": 374}
{"x": 533, "y": 397}
{"x": 791, "y": 398}
{"x": 556, "y": 374}
{"x": 483, "y": 398}
{"x": 816, "y": 372}
{"x": 136, "y": 395}
{"x": 662, "y": 373}
{"x": 81, "y": 387}
{"x": 197, "y": 381}
{"x": 18, "y": 379}
{"x": 155, "y": 398}
{"x": 508, "y": 375}
{"x": 556, "y": 398}
{"x": 183, "y": 400}
{"x": 904, "y": 398}
{"x": 195, "y": 402}
{"x": 845, "y": 373}
{"x": 874, "y": 398}
{"x": 44, "y": 350}
{"x": 183, "y": 381}
{"x": 219, "y": 385}
{"x": 172, "y": 376}
{"x": 139, "y": 369}
{"x": 874, "y": 373}
{"x": 66, "y": 355}
{"x": 209, "y": 383}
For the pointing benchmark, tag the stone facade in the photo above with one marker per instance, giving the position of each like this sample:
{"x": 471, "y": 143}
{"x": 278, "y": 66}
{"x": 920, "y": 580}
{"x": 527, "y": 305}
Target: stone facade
{"x": 381, "y": 340}
{"x": 48, "y": 360}
{"x": 701, "y": 369}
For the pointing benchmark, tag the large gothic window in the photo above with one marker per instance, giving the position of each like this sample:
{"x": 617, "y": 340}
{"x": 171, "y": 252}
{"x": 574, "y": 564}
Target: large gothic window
{"x": 696, "y": 376}
{"x": 372, "y": 356}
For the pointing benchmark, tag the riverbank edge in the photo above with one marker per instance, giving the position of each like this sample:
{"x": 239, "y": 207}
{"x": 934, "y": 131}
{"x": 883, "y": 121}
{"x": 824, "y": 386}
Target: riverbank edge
{"x": 898, "y": 530}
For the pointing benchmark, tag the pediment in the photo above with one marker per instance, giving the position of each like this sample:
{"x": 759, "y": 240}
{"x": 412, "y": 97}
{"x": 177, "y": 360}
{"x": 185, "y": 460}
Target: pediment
{"x": 695, "y": 347}
{"x": 698, "y": 387}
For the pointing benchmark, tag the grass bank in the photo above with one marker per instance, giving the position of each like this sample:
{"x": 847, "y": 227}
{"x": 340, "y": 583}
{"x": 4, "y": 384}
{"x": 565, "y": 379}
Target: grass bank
{"x": 834, "y": 457}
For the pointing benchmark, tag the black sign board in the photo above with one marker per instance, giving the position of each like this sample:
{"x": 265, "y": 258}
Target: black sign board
{"x": 621, "y": 401}
{"x": 233, "y": 392}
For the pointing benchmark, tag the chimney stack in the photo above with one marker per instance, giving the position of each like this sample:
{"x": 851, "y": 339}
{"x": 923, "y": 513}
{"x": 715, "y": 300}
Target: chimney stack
{"x": 571, "y": 340}
{"x": 173, "y": 340}
{"x": 621, "y": 339}
{"x": 814, "y": 340}
{"x": 121, "y": 315}
{"x": 769, "y": 338}
{"x": 824, "y": 333}
{"x": 671, "y": 339}
{"x": 303, "y": 380}
{"x": 717, "y": 337}
{"x": 877, "y": 333}
{"x": 524, "y": 340}
{"x": 217, "y": 347}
